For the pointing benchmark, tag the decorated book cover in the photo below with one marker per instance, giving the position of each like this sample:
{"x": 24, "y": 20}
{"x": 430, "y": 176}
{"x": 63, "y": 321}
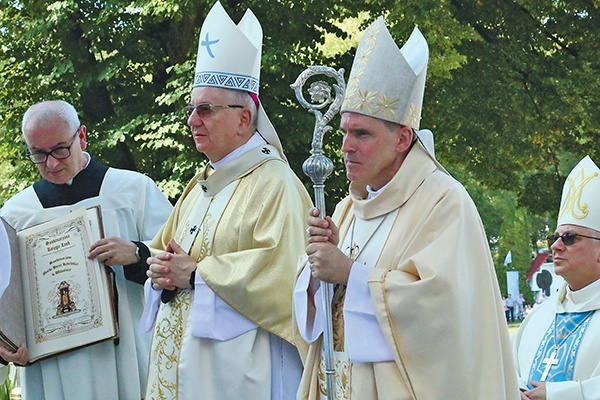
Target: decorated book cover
{"x": 67, "y": 298}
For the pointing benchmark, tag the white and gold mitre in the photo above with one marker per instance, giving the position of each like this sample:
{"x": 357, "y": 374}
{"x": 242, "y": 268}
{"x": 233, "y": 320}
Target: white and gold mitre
{"x": 386, "y": 82}
{"x": 580, "y": 202}
{"x": 229, "y": 54}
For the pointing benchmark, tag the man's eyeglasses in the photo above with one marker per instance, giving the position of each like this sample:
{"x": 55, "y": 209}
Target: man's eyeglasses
{"x": 567, "y": 238}
{"x": 206, "y": 109}
{"x": 59, "y": 153}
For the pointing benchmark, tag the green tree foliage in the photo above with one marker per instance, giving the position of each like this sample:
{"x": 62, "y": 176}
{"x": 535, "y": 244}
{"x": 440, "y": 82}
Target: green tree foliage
{"x": 523, "y": 103}
{"x": 514, "y": 229}
{"x": 508, "y": 228}
{"x": 128, "y": 67}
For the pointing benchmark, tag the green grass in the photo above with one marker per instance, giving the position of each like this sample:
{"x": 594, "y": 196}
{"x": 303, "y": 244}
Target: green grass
{"x": 512, "y": 326}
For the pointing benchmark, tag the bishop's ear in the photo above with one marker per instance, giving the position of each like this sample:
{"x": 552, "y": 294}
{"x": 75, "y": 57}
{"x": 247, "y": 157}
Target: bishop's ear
{"x": 245, "y": 118}
{"x": 405, "y": 138}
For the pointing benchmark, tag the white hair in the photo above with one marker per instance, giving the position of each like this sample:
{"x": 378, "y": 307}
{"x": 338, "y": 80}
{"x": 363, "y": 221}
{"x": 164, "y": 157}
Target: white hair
{"x": 243, "y": 98}
{"x": 53, "y": 108}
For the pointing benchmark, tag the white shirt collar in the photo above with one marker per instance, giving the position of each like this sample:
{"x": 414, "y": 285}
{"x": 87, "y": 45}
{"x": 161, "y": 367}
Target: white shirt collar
{"x": 373, "y": 193}
{"x": 584, "y": 293}
{"x": 89, "y": 158}
{"x": 255, "y": 141}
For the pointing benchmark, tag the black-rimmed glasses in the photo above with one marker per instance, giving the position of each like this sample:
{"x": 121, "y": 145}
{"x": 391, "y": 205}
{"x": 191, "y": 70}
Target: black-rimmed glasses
{"x": 567, "y": 238}
{"x": 59, "y": 153}
{"x": 206, "y": 109}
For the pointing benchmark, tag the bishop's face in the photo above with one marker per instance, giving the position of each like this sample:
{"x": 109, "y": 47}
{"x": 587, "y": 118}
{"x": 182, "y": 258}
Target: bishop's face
{"x": 578, "y": 263}
{"x": 218, "y": 132}
{"x": 46, "y": 136}
{"x": 372, "y": 151}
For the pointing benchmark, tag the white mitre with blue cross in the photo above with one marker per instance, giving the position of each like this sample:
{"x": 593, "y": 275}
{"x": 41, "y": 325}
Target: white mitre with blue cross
{"x": 229, "y": 54}
{"x": 229, "y": 57}
{"x": 387, "y": 82}
{"x": 580, "y": 202}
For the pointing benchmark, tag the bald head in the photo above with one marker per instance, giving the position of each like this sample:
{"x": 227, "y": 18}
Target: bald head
{"x": 57, "y": 110}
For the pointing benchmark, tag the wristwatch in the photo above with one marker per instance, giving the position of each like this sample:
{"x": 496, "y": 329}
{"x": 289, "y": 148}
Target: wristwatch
{"x": 137, "y": 253}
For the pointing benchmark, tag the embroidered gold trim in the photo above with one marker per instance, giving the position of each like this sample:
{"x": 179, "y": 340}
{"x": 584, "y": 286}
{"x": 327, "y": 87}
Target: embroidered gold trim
{"x": 573, "y": 199}
{"x": 166, "y": 346}
{"x": 341, "y": 381}
{"x": 414, "y": 115}
{"x": 171, "y": 321}
{"x": 370, "y": 102}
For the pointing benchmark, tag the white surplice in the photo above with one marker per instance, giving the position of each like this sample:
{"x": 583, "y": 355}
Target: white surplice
{"x": 133, "y": 208}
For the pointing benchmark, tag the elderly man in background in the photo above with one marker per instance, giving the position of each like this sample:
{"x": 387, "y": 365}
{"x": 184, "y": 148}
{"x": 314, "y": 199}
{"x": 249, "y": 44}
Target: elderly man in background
{"x": 226, "y": 258}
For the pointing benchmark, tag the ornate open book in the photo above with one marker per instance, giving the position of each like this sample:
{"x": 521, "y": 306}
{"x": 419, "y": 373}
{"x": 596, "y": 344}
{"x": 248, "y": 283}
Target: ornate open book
{"x": 56, "y": 298}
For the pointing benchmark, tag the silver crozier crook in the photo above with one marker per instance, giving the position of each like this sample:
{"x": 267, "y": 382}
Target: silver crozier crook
{"x": 318, "y": 168}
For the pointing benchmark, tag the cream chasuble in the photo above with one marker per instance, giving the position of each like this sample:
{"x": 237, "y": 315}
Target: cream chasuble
{"x": 571, "y": 370}
{"x": 434, "y": 293}
{"x": 244, "y": 224}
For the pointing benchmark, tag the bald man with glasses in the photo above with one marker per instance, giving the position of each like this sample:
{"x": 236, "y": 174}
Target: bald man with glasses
{"x": 556, "y": 348}
{"x": 133, "y": 210}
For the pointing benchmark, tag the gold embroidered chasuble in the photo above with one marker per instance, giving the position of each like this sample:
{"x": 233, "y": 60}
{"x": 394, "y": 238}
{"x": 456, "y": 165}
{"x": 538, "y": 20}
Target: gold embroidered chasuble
{"x": 434, "y": 292}
{"x": 247, "y": 246}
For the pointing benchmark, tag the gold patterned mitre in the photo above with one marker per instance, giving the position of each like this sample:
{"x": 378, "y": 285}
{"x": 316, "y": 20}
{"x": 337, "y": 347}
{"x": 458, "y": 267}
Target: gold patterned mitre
{"x": 580, "y": 202}
{"x": 386, "y": 82}
{"x": 229, "y": 54}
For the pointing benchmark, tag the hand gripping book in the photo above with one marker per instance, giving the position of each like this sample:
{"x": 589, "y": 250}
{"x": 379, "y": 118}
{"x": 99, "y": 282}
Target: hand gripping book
{"x": 56, "y": 299}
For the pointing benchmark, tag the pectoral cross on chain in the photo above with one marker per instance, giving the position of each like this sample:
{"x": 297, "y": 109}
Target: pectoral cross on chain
{"x": 353, "y": 251}
{"x": 549, "y": 361}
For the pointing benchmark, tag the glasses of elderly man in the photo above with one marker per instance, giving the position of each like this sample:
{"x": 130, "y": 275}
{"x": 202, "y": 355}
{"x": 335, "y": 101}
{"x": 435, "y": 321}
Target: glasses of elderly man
{"x": 205, "y": 110}
{"x": 59, "y": 153}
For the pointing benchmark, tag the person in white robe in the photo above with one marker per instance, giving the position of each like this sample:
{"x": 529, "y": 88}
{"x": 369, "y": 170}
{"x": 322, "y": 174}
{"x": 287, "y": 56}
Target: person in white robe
{"x": 219, "y": 297}
{"x": 416, "y": 307}
{"x": 133, "y": 210}
{"x": 556, "y": 347}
